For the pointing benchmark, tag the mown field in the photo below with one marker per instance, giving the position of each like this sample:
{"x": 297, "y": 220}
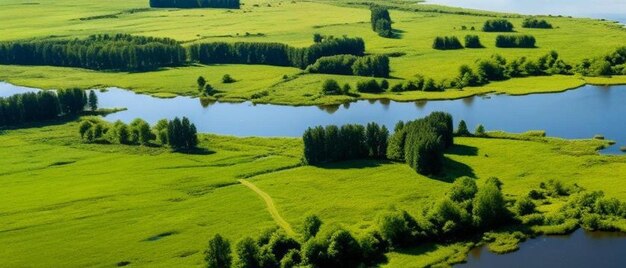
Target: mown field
{"x": 291, "y": 23}
{"x": 104, "y": 204}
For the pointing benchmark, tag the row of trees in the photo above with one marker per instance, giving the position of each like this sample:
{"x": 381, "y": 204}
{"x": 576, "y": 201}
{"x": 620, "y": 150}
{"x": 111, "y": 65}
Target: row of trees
{"x": 332, "y": 143}
{"x": 275, "y": 53}
{"x": 234, "y": 4}
{"x": 321, "y": 246}
{"x": 44, "y": 105}
{"x": 613, "y": 63}
{"x": 536, "y": 23}
{"x": 376, "y": 65}
{"x": 98, "y": 52}
{"x": 497, "y": 68}
{"x": 419, "y": 83}
{"x": 498, "y": 25}
{"x": 178, "y": 134}
{"x": 465, "y": 210}
{"x": 521, "y": 41}
{"x": 381, "y": 21}
{"x": 421, "y": 143}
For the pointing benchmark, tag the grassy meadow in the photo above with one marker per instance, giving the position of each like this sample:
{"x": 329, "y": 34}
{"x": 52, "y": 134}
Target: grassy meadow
{"x": 152, "y": 207}
{"x": 291, "y": 23}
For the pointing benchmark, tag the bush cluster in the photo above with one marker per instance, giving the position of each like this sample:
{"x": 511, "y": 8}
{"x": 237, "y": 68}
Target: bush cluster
{"x": 536, "y": 23}
{"x": 419, "y": 83}
{"x": 44, "y": 105}
{"x": 381, "y": 21}
{"x": 447, "y": 42}
{"x": 421, "y": 143}
{"x": 332, "y": 143}
{"x": 376, "y": 65}
{"x": 613, "y": 63}
{"x": 274, "y": 53}
{"x": 233, "y": 4}
{"x": 98, "y": 52}
{"x": 465, "y": 210}
{"x": 178, "y": 134}
{"x": 498, "y": 25}
{"x": 472, "y": 41}
{"x": 519, "y": 41}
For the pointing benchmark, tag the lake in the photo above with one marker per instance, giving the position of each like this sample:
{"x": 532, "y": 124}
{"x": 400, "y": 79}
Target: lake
{"x": 575, "y": 114}
{"x": 581, "y": 249}
{"x": 599, "y": 9}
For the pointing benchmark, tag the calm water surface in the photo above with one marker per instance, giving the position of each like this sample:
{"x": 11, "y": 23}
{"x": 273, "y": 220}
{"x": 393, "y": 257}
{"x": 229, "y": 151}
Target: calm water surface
{"x": 600, "y": 9}
{"x": 581, "y": 249}
{"x": 580, "y": 113}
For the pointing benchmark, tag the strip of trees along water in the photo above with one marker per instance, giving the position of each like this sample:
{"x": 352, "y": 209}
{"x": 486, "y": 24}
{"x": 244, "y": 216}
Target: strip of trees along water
{"x": 45, "y": 105}
{"x": 232, "y": 4}
{"x": 420, "y": 143}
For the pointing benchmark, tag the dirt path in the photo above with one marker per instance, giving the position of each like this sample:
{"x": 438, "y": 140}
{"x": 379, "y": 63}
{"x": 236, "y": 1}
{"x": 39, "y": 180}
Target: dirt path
{"x": 271, "y": 207}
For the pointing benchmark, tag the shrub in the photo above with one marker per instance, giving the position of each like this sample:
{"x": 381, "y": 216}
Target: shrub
{"x": 480, "y": 131}
{"x": 247, "y": 253}
{"x": 227, "y": 79}
{"x": 368, "y": 86}
{"x": 331, "y": 87}
{"x": 489, "y": 207}
{"x": 376, "y": 66}
{"x": 524, "y": 206}
{"x": 498, "y": 25}
{"x": 381, "y": 21}
{"x": 463, "y": 189}
{"x": 512, "y": 41}
{"x": 397, "y": 228}
{"x": 311, "y": 226}
{"x": 472, "y": 41}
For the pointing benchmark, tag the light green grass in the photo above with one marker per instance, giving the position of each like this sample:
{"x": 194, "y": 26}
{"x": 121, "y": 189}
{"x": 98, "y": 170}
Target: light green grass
{"x": 293, "y": 24}
{"x": 58, "y": 195}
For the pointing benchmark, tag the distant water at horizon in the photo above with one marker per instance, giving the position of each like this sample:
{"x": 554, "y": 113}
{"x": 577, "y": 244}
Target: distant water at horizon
{"x": 614, "y": 10}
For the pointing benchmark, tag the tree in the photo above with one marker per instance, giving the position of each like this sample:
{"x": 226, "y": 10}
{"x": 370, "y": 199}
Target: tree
{"x": 247, "y": 254}
{"x": 463, "y": 189}
{"x": 462, "y": 130}
{"x": 311, "y": 226}
{"x": 141, "y": 133}
{"x": 524, "y": 206}
{"x": 498, "y": 25}
{"x": 489, "y": 207}
{"x": 84, "y": 127}
{"x": 201, "y": 83}
{"x": 472, "y": 41}
{"x": 93, "y": 100}
{"x": 343, "y": 249}
{"x": 480, "y": 131}
{"x": 317, "y": 38}
{"x": 331, "y": 87}
{"x": 217, "y": 254}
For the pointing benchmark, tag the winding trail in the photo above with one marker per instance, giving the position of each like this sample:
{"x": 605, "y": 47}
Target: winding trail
{"x": 271, "y": 207}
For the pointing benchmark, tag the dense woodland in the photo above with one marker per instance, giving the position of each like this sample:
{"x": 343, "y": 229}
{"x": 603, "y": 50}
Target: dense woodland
{"x": 275, "y": 53}
{"x": 179, "y": 134}
{"x": 233, "y": 4}
{"x": 44, "y": 105}
{"x": 381, "y": 21}
{"x": 98, "y": 52}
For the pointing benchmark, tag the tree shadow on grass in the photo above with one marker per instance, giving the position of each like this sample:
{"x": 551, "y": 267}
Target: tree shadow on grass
{"x": 39, "y": 124}
{"x": 196, "y": 151}
{"x": 354, "y": 164}
{"x": 463, "y": 150}
{"x": 453, "y": 170}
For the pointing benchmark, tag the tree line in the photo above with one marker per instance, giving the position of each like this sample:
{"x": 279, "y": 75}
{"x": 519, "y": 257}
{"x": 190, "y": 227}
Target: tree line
{"x": 613, "y": 63}
{"x": 179, "y": 134}
{"x": 274, "y": 53}
{"x": 44, "y": 105}
{"x": 371, "y": 65}
{"x": 97, "y": 52}
{"x": 233, "y": 4}
{"x": 381, "y": 21}
{"x": 348, "y": 142}
{"x": 465, "y": 210}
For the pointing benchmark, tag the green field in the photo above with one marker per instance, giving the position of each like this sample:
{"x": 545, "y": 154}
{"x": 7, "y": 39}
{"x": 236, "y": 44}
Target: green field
{"x": 153, "y": 207}
{"x": 291, "y": 23}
